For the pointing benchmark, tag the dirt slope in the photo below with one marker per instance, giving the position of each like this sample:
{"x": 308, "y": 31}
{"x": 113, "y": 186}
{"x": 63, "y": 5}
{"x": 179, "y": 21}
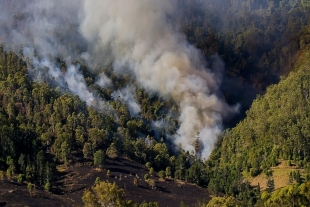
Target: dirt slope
{"x": 81, "y": 175}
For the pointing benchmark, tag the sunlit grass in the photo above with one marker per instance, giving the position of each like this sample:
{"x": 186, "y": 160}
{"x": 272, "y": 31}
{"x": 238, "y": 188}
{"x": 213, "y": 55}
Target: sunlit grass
{"x": 281, "y": 175}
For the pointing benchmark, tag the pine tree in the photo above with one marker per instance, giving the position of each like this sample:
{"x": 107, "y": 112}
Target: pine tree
{"x": 270, "y": 185}
{"x": 99, "y": 158}
{"x": 111, "y": 151}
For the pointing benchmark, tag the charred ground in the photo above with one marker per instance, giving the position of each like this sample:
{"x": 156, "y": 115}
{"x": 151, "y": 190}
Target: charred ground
{"x": 81, "y": 175}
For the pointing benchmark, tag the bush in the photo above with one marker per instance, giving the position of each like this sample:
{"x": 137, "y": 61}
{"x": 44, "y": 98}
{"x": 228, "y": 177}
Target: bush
{"x": 146, "y": 176}
{"x": 168, "y": 171}
{"x": 2, "y": 175}
{"x": 47, "y": 187}
{"x": 20, "y": 178}
{"x": 268, "y": 172}
{"x": 97, "y": 180}
{"x": 254, "y": 172}
{"x": 162, "y": 174}
{"x": 151, "y": 171}
{"x": 289, "y": 163}
{"x": 148, "y": 165}
{"x": 8, "y": 174}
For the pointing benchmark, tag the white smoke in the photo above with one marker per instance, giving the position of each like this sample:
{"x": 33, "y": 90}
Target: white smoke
{"x": 43, "y": 36}
{"x": 126, "y": 96}
{"x": 159, "y": 126}
{"x": 77, "y": 85}
{"x": 140, "y": 36}
{"x": 103, "y": 81}
{"x": 71, "y": 78}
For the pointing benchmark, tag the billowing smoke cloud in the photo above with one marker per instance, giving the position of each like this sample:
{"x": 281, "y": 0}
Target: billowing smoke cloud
{"x": 38, "y": 27}
{"x": 40, "y": 24}
{"x": 126, "y": 96}
{"x": 71, "y": 79}
{"x": 140, "y": 36}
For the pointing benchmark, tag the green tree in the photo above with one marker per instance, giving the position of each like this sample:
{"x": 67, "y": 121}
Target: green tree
{"x": 112, "y": 151}
{"x": 146, "y": 176}
{"x": 11, "y": 164}
{"x": 29, "y": 173}
{"x": 151, "y": 204}
{"x": 292, "y": 195}
{"x": 168, "y": 171}
{"x": 162, "y": 174}
{"x": 99, "y": 158}
{"x": 97, "y": 180}
{"x": 79, "y": 136}
{"x": 104, "y": 194}
{"x": 87, "y": 150}
{"x": 148, "y": 165}
{"x": 30, "y": 188}
{"x": 20, "y": 178}
{"x": 65, "y": 152}
{"x": 22, "y": 162}
{"x": 9, "y": 174}
{"x": 224, "y": 202}
{"x": 47, "y": 187}
{"x": 270, "y": 185}
{"x": 152, "y": 183}
{"x": 96, "y": 137}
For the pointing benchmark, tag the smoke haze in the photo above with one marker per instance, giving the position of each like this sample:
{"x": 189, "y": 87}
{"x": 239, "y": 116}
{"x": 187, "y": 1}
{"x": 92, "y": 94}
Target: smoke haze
{"x": 137, "y": 36}
{"x": 140, "y": 36}
{"x": 126, "y": 96}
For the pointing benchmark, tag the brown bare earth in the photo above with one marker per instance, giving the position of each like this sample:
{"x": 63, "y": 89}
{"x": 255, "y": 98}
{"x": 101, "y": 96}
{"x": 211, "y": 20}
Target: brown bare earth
{"x": 75, "y": 178}
{"x": 280, "y": 173}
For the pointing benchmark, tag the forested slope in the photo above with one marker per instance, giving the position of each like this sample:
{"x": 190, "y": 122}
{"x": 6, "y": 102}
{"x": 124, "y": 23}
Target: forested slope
{"x": 275, "y": 130}
{"x": 42, "y": 127}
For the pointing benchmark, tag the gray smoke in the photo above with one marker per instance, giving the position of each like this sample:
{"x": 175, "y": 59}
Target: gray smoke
{"x": 103, "y": 81}
{"x": 40, "y": 24}
{"x": 38, "y": 27}
{"x": 126, "y": 96}
{"x": 140, "y": 37}
{"x": 72, "y": 78}
{"x": 77, "y": 85}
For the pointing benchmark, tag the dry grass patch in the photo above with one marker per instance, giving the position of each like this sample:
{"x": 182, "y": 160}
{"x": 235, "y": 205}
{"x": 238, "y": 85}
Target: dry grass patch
{"x": 281, "y": 176}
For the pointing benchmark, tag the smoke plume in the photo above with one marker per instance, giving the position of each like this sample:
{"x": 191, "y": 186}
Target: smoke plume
{"x": 140, "y": 36}
{"x": 126, "y": 96}
{"x": 137, "y": 36}
{"x": 38, "y": 28}
{"x": 103, "y": 81}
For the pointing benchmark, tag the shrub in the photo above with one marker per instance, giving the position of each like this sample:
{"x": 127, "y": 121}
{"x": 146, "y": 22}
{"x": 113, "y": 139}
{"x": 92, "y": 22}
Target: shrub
{"x": 162, "y": 174}
{"x": 254, "y": 171}
{"x": 146, "y": 176}
{"x": 20, "y": 178}
{"x": 47, "y": 187}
